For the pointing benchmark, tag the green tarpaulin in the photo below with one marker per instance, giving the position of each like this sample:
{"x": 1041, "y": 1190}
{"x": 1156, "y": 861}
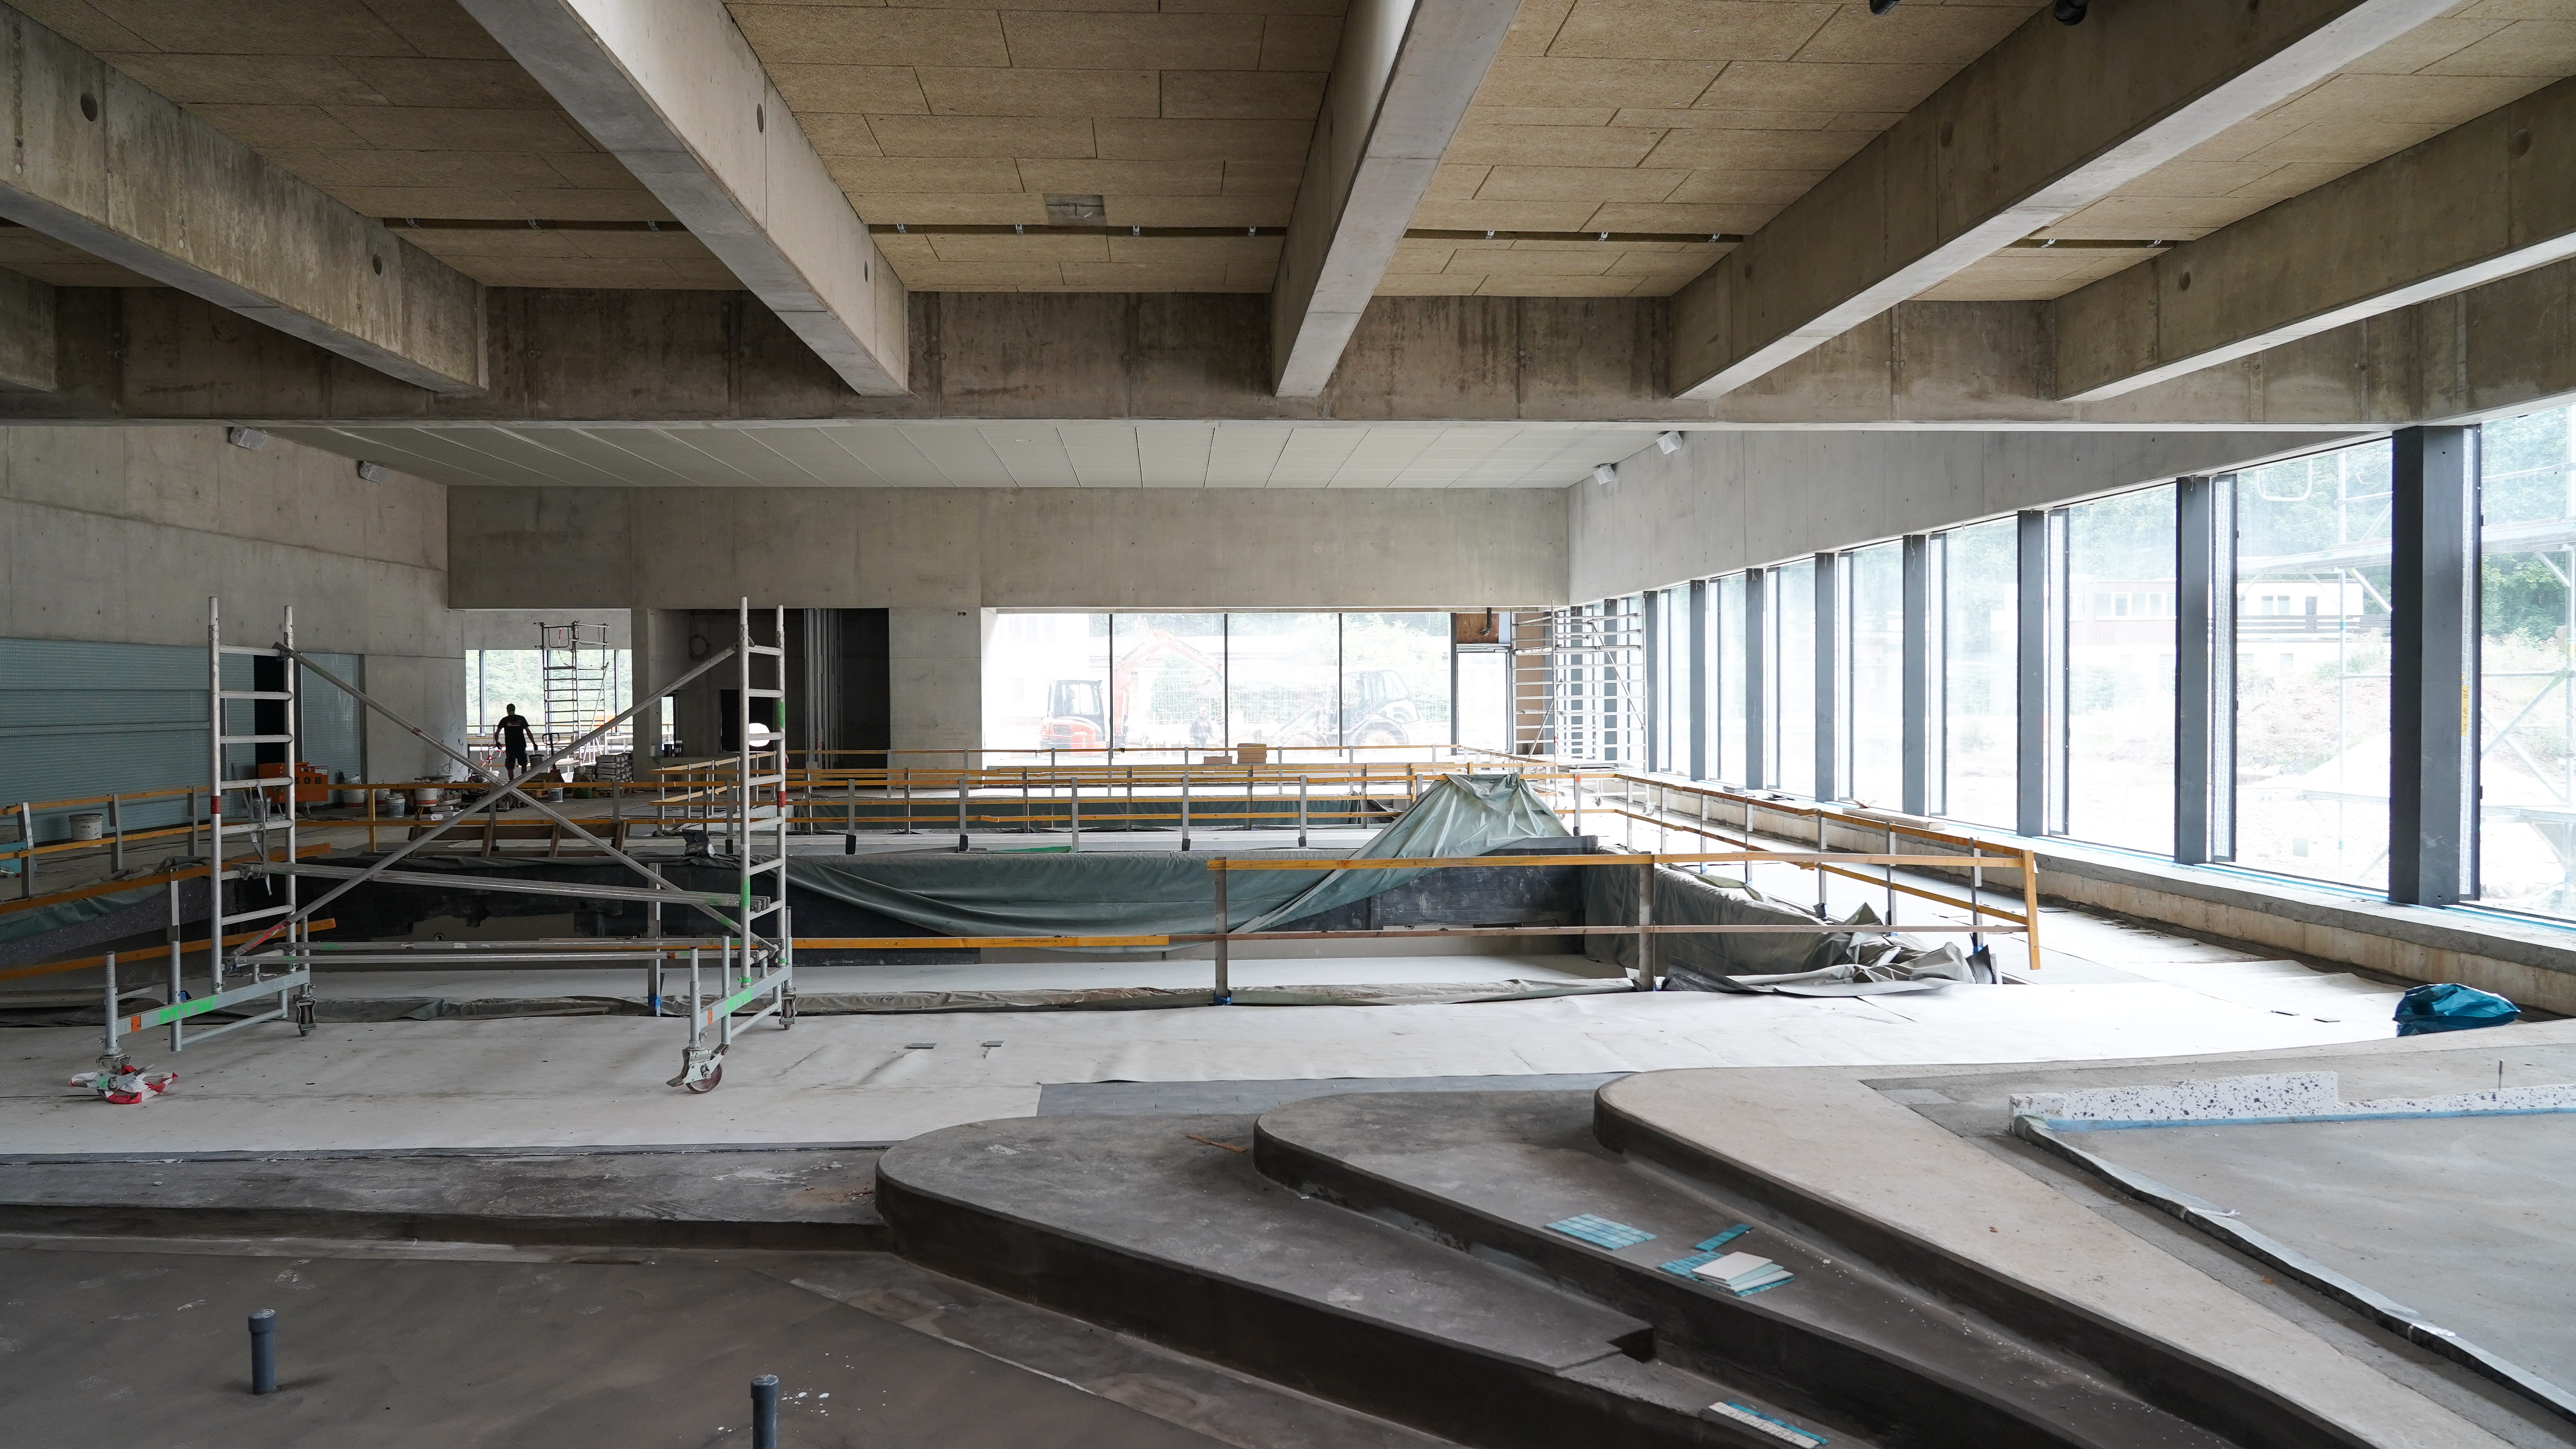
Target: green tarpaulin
{"x": 1154, "y": 893}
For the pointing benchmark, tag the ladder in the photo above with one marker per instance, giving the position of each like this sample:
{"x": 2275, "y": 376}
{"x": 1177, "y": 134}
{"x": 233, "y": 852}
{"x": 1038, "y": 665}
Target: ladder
{"x": 574, "y": 664}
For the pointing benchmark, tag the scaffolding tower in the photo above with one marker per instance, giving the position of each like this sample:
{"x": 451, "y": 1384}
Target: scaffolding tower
{"x": 754, "y": 947}
{"x": 575, "y": 670}
{"x": 1579, "y": 684}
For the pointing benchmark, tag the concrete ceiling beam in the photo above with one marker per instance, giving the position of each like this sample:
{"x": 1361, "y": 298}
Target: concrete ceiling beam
{"x": 2049, "y": 121}
{"x": 1401, "y": 83}
{"x": 673, "y": 90}
{"x": 104, "y": 164}
{"x": 2477, "y": 203}
{"x": 569, "y": 358}
{"x": 26, "y": 334}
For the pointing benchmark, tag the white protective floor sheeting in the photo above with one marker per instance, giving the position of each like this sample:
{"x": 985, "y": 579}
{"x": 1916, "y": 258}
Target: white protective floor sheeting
{"x": 628, "y": 981}
{"x": 598, "y": 1080}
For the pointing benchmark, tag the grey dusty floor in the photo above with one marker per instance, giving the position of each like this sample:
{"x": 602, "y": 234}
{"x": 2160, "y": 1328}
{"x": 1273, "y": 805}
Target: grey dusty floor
{"x": 2450, "y": 1216}
{"x": 149, "y": 1350}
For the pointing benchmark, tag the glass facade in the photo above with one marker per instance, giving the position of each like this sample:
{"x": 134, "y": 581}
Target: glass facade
{"x": 1790, "y": 743}
{"x": 2527, "y": 650}
{"x": 2314, "y": 544}
{"x": 2119, "y": 612}
{"x": 1977, "y": 690}
{"x": 1872, "y": 693}
{"x": 1726, "y": 601}
{"x": 1178, "y": 684}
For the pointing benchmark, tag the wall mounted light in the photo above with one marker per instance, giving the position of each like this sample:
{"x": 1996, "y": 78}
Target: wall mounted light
{"x": 1668, "y": 443}
{"x": 373, "y": 472}
{"x": 1606, "y": 474}
{"x": 251, "y": 438}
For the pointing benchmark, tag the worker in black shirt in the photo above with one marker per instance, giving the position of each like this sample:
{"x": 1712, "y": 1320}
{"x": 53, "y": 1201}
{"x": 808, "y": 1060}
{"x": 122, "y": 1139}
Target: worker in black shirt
{"x": 514, "y": 741}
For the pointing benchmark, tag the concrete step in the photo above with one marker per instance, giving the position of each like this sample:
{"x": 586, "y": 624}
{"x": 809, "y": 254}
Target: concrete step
{"x": 795, "y": 1198}
{"x": 2247, "y": 1382}
{"x": 1485, "y": 1172}
{"x": 1162, "y": 1227}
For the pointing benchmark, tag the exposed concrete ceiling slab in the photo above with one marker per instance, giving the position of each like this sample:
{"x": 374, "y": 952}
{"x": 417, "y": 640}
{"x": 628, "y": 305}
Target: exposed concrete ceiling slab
{"x": 1669, "y": 116}
{"x": 395, "y": 109}
{"x": 2442, "y": 74}
{"x": 964, "y": 115}
{"x": 997, "y": 455}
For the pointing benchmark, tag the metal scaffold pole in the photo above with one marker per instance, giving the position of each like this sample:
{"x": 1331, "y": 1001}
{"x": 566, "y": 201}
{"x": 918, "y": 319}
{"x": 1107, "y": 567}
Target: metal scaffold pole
{"x": 767, "y": 960}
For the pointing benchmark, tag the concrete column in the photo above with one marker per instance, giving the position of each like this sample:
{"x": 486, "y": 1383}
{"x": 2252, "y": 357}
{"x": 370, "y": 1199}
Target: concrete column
{"x": 26, "y": 334}
{"x": 935, "y": 668}
{"x": 1828, "y": 666}
{"x": 2204, "y": 679}
{"x": 2036, "y": 757}
{"x": 1916, "y": 690}
{"x": 2432, "y": 744}
{"x": 1758, "y": 665}
{"x": 1700, "y": 673}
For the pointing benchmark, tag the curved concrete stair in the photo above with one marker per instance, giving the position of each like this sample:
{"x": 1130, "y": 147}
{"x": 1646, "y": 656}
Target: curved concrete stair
{"x": 1485, "y": 1172}
{"x": 1163, "y": 1227}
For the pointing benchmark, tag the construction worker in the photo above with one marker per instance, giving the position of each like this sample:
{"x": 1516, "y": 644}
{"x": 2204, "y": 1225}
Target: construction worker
{"x": 514, "y": 729}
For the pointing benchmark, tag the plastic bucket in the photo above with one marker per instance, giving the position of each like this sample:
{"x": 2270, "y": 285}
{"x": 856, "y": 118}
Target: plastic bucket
{"x": 89, "y": 825}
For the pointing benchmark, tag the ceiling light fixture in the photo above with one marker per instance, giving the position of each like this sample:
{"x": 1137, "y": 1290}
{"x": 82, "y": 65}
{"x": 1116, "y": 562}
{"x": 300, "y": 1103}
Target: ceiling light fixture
{"x": 1668, "y": 443}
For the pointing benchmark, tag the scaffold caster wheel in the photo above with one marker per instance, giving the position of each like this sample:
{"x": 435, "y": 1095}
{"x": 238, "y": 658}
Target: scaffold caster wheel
{"x": 708, "y": 1083}
{"x": 304, "y": 1016}
{"x": 787, "y": 1011}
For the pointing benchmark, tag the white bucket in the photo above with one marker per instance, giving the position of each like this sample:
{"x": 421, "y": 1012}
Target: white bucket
{"x": 89, "y": 825}
{"x": 392, "y": 804}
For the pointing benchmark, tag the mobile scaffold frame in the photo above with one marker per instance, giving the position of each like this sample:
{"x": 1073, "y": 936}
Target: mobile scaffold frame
{"x": 755, "y": 948}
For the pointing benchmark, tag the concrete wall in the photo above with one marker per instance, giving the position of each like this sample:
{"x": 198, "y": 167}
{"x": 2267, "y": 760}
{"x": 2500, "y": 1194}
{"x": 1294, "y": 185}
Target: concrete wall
{"x": 938, "y": 558}
{"x": 120, "y": 534}
{"x": 1732, "y": 499}
{"x": 972, "y": 548}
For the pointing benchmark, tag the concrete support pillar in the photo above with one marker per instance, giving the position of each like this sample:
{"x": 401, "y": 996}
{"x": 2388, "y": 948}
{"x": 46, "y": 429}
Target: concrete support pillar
{"x": 2204, "y": 669}
{"x": 1757, "y": 667}
{"x": 1830, "y": 780}
{"x": 26, "y": 334}
{"x": 2037, "y": 778}
{"x": 935, "y": 669}
{"x": 1918, "y": 697}
{"x": 1700, "y": 672}
{"x": 2433, "y": 730}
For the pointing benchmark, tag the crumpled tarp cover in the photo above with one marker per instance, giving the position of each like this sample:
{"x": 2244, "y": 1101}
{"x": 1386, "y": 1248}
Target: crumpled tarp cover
{"x": 1154, "y": 893}
{"x": 37, "y": 920}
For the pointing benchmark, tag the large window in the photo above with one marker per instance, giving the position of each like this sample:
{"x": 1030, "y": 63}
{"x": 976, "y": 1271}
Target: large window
{"x": 1792, "y": 743}
{"x": 2313, "y": 552}
{"x": 1283, "y": 682}
{"x": 1978, "y": 707}
{"x": 1872, "y": 697}
{"x": 1727, "y": 600}
{"x": 2119, "y": 689}
{"x": 1180, "y": 684}
{"x": 2527, "y": 703}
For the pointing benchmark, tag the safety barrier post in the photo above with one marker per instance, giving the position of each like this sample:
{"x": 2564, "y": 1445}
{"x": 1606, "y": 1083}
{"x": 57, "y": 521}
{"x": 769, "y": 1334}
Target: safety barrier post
{"x": 116, "y": 831}
{"x": 263, "y": 1351}
{"x": 1224, "y": 987}
{"x": 1073, "y": 814}
{"x": 26, "y": 851}
{"x": 961, "y": 810}
{"x": 1646, "y": 919}
{"x": 1185, "y": 812}
{"x": 1301, "y": 812}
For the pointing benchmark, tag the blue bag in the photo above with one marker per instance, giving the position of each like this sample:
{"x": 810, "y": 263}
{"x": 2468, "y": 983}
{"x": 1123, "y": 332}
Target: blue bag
{"x": 2451, "y": 1007}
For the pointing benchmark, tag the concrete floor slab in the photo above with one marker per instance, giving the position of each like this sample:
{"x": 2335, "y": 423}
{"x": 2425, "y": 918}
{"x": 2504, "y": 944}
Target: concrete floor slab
{"x": 2459, "y": 1218}
{"x": 150, "y": 1348}
{"x": 598, "y": 1080}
